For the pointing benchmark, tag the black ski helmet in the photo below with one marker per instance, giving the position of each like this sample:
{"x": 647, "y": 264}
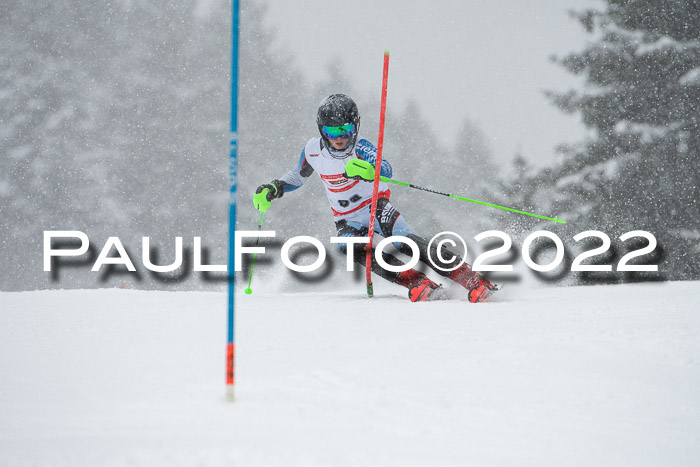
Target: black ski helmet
{"x": 338, "y": 110}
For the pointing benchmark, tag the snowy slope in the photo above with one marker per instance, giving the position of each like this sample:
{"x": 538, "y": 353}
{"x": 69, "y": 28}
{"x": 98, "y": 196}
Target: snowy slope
{"x": 605, "y": 375}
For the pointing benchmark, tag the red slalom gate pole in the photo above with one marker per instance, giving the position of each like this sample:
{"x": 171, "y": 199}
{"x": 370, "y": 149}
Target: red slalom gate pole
{"x": 377, "y": 170}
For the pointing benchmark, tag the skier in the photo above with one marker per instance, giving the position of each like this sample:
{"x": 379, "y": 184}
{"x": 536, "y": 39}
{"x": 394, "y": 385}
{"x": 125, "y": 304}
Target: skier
{"x": 346, "y": 164}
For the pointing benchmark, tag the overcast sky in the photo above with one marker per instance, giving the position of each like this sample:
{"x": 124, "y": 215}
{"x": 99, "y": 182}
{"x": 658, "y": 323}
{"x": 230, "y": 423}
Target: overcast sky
{"x": 483, "y": 59}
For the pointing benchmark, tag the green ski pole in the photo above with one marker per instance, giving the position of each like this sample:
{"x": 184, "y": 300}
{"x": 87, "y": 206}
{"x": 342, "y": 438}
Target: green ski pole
{"x": 249, "y": 291}
{"x": 410, "y": 185}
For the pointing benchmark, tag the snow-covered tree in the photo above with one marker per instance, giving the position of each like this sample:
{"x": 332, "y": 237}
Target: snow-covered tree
{"x": 114, "y": 121}
{"x": 639, "y": 168}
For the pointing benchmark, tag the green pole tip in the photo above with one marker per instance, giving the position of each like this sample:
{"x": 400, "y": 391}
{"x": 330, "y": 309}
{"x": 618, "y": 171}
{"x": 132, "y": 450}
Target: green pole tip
{"x": 248, "y": 291}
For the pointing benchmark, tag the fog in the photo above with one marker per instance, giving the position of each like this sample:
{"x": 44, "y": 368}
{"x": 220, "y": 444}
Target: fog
{"x": 114, "y": 120}
{"x": 483, "y": 60}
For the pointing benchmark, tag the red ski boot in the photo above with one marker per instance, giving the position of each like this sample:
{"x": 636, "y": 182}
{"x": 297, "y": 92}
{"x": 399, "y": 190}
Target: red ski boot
{"x": 422, "y": 291}
{"x": 419, "y": 286}
{"x": 465, "y": 277}
{"x": 482, "y": 291}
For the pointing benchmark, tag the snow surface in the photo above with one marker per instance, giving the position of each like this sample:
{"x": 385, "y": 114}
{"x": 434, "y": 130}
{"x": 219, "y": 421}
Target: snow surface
{"x": 604, "y": 376}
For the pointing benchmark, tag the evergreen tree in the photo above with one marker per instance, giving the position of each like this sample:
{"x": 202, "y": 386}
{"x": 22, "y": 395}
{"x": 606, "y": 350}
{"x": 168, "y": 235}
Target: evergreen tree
{"x": 114, "y": 121}
{"x": 415, "y": 155}
{"x": 51, "y": 127}
{"x": 517, "y": 190}
{"x": 471, "y": 170}
{"x": 639, "y": 169}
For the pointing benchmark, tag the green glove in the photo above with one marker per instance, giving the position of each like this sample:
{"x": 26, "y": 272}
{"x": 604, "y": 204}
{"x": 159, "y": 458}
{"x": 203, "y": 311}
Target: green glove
{"x": 262, "y": 199}
{"x": 359, "y": 169}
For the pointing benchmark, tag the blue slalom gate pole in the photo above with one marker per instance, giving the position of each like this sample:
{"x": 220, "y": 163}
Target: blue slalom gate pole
{"x": 233, "y": 181}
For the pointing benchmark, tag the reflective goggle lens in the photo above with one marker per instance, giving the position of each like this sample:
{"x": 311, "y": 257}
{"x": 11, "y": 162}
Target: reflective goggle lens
{"x": 334, "y": 132}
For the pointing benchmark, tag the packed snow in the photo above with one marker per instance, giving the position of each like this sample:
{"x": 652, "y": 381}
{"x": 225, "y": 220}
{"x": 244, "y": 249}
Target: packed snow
{"x": 599, "y": 375}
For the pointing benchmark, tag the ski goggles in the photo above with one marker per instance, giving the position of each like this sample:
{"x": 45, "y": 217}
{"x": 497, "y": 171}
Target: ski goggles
{"x": 335, "y": 132}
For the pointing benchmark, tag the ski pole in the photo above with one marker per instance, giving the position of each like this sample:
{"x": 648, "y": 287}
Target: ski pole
{"x": 249, "y": 291}
{"x": 410, "y": 185}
